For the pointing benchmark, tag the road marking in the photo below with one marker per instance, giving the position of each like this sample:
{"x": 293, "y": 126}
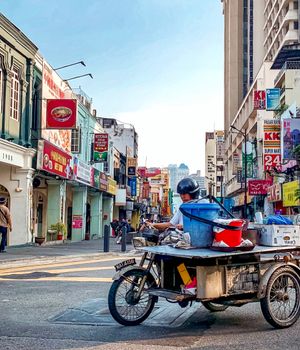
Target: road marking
{"x": 42, "y": 266}
{"x": 60, "y": 271}
{"x": 60, "y": 279}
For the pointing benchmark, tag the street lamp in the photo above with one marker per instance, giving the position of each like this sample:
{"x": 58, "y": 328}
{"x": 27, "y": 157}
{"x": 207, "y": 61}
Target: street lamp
{"x": 244, "y": 133}
{"x": 71, "y": 64}
{"x": 80, "y": 76}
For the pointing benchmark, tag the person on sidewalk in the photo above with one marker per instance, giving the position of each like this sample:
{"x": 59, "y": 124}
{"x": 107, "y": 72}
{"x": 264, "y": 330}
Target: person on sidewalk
{"x": 5, "y": 224}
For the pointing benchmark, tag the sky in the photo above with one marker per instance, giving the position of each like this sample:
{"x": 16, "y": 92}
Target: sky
{"x": 156, "y": 64}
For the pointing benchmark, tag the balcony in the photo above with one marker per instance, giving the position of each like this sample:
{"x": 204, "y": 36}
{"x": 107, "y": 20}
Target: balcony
{"x": 291, "y": 65}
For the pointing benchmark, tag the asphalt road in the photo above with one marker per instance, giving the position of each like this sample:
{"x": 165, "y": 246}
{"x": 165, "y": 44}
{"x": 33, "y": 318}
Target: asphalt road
{"x": 63, "y": 306}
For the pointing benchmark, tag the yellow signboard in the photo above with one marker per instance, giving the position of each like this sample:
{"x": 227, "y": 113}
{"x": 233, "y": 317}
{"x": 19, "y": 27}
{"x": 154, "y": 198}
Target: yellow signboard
{"x": 289, "y": 197}
{"x": 112, "y": 186}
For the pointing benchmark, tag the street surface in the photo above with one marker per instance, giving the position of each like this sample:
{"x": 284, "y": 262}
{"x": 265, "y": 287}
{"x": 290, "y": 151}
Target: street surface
{"x": 63, "y": 305}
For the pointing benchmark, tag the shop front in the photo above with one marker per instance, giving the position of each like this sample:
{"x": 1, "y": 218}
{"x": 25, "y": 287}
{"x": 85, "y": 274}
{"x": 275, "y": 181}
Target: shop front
{"x": 16, "y": 185}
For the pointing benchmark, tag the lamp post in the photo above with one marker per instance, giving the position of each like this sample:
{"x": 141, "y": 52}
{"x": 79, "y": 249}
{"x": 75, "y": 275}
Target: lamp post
{"x": 244, "y": 133}
{"x": 80, "y": 76}
{"x": 71, "y": 64}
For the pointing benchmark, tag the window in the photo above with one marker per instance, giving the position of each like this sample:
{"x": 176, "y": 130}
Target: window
{"x": 15, "y": 95}
{"x": 296, "y": 24}
{"x": 76, "y": 140}
{"x": 106, "y": 167}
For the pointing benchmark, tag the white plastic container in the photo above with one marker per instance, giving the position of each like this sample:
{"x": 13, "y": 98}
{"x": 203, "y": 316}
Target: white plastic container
{"x": 279, "y": 235}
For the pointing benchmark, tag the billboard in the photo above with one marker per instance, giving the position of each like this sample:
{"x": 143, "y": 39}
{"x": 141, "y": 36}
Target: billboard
{"x": 290, "y": 136}
{"x": 257, "y": 187}
{"x": 272, "y": 152}
{"x": 259, "y": 97}
{"x": 100, "y": 148}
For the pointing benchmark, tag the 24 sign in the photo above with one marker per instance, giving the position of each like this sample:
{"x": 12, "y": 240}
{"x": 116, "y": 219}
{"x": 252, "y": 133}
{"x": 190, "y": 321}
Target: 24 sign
{"x": 272, "y": 161}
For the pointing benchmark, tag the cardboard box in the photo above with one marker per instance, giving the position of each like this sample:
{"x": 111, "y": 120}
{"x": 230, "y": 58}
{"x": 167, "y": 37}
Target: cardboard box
{"x": 279, "y": 235}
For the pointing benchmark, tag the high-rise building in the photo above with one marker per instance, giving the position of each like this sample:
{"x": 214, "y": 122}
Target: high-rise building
{"x": 176, "y": 174}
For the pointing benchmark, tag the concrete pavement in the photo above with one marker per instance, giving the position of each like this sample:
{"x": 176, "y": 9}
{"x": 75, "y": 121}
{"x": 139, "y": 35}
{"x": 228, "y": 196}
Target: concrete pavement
{"x": 31, "y": 253}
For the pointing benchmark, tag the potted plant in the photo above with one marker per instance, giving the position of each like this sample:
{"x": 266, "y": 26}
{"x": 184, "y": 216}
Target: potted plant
{"x": 60, "y": 228}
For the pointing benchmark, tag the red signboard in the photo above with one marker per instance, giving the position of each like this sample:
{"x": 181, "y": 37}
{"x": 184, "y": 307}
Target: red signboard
{"x": 100, "y": 142}
{"x": 274, "y": 193}
{"x": 61, "y": 114}
{"x": 272, "y": 161}
{"x": 259, "y": 99}
{"x": 53, "y": 160}
{"x": 77, "y": 221}
{"x": 256, "y": 187}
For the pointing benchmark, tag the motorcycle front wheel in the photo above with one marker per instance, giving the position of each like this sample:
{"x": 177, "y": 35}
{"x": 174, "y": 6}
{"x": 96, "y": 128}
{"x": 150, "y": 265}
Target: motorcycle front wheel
{"x": 124, "y": 305}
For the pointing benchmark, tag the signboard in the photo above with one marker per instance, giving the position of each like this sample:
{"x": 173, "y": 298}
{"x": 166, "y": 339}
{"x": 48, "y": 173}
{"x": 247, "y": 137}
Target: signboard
{"x": 95, "y": 177}
{"x": 103, "y": 181}
{"x": 82, "y": 171}
{"x": 235, "y": 163}
{"x": 77, "y": 221}
{"x": 111, "y": 186}
{"x": 61, "y": 114}
{"x": 289, "y": 195}
{"x": 258, "y": 187}
{"x": 239, "y": 175}
{"x": 272, "y": 152}
{"x": 132, "y": 183}
{"x": 53, "y": 87}
{"x": 273, "y": 99}
{"x": 290, "y": 136}
{"x": 100, "y": 147}
{"x": 53, "y": 160}
{"x": 249, "y": 158}
{"x": 274, "y": 193}
{"x": 259, "y": 97}
{"x": 131, "y": 166}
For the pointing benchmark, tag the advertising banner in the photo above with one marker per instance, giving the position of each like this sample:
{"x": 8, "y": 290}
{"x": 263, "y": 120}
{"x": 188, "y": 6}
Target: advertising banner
{"x": 259, "y": 97}
{"x": 249, "y": 160}
{"x": 95, "y": 177}
{"x": 258, "y": 187}
{"x": 53, "y": 160}
{"x": 61, "y": 114}
{"x": 274, "y": 193}
{"x": 273, "y": 99}
{"x": 272, "y": 152}
{"x": 289, "y": 193}
{"x": 290, "y": 137}
{"x": 100, "y": 147}
{"x": 53, "y": 87}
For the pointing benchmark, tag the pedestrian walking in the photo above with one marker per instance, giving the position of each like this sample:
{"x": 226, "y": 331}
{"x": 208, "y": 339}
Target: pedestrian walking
{"x": 5, "y": 224}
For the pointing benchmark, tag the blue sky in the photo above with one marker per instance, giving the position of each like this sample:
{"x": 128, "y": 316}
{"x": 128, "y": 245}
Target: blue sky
{"x": 157, "y": 64}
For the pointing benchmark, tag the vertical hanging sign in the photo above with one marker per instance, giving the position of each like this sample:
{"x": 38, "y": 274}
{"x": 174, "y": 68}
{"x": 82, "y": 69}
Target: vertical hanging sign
{"x": 100, "y": 147}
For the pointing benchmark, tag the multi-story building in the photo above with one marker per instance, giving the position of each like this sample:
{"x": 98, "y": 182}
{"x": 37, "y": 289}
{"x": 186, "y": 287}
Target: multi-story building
{"x": 201, "y": 182}
{"x": 214, "y": 163}
{"x": 259, "y": 37}
{"x": 176, "y": 174}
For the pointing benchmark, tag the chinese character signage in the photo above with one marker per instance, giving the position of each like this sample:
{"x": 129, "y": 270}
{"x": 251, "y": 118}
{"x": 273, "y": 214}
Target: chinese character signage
{"x": 77, "y": 221}
{"x": 272, "y": 152}
{"x": 274, "y": 193}
{"x": 235, "y": 163}
{"x": 53, "y": 87}
{"x": 259, "y": 99}
{"x": 103, "y": 182}
{"x": 272, "y": 99}
{"x": 256, "y": 187}
{"x": 132, "y": 183}
{"x": 249, "y": 159}
{"x": 61, "y": 114}
{"x": 53, "y": 160}
{"x": 100, "y": 147}
{"x": 95, "y": 177}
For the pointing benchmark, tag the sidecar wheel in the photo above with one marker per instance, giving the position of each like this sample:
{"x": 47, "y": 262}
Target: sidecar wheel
{"x": 125, "y": 307}
{"x": 214, "y": 307}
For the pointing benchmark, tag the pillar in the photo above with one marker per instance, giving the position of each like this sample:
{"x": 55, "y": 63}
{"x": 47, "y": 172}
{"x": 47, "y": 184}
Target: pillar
{"x": 96, "y": 215}
{"x": 79, "y": 212}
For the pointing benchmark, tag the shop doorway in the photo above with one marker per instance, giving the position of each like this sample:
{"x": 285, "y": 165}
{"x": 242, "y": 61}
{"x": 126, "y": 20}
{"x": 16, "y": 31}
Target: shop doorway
{"x": 69, "y": 222}
{"x": 88, "y": 221}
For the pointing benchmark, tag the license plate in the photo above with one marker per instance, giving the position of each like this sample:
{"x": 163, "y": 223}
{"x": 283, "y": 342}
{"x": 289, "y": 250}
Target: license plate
{"x": 125, "y": 263}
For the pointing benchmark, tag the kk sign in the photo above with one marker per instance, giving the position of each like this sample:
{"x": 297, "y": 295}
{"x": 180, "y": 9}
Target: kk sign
{"x": 272, "y": 151}
{"x": 259, "y": 99}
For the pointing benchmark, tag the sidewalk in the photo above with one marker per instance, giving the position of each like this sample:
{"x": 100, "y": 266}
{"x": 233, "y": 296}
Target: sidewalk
{"x": 33, "y": 253}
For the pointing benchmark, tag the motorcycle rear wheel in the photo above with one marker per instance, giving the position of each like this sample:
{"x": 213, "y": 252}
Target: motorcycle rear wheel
{"x": 124, "y": 305}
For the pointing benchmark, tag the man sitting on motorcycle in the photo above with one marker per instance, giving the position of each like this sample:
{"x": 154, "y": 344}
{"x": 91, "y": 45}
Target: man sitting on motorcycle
{"x": 188, "y": 189}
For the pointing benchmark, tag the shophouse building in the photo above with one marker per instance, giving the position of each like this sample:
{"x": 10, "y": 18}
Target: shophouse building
{"x": 17, "y": 54}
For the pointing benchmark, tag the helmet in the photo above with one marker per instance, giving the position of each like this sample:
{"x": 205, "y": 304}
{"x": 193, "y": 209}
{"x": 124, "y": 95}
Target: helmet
{"x": 190, "y": 186}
